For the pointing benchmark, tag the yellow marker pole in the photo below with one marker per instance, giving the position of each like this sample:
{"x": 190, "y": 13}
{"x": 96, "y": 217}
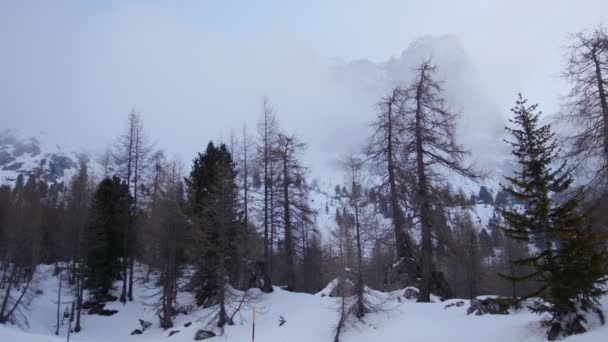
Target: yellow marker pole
{"x": 253, "y": 327}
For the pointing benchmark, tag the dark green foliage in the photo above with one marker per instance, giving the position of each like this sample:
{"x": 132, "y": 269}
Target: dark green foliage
{"x": 570, "y": 263}
{"x": 212, "y": 197}
{"x": 312, "y": 266}
{"x": 107, "y": 223}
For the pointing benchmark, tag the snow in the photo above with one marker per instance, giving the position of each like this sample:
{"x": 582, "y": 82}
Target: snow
{"x": 308, "y": 318}
{"x": 482, "y": 213}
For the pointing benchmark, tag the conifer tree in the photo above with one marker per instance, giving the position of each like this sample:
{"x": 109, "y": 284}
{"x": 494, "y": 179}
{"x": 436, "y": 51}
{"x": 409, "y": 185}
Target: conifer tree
{"x": 213, "y": 197}
{"x": 108, "y": 222}
{"x": 570, "y": 262}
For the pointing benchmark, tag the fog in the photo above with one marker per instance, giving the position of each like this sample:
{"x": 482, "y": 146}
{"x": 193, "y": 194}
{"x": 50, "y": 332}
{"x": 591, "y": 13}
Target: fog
{"x": 197, "y": 70}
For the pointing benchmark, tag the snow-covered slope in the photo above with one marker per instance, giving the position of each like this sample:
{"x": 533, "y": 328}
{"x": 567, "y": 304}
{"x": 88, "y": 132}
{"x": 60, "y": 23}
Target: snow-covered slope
{"x": 308, "y": 318}
{"x": 23, "y": 156}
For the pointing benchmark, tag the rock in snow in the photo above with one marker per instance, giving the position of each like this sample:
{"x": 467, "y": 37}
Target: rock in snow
{"x": 492, "y": 306}
{"x": 203, "y": 334}
{"x": 457, "y": 304}
{"x": 173, "y": 332}
{"x": 411, "y": 293}
{"x": 144, "y": 324}
{"x": 136, "y": 332}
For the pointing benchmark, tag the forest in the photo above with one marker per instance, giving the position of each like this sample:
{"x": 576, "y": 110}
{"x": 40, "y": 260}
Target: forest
{"x": 244, "y": 214}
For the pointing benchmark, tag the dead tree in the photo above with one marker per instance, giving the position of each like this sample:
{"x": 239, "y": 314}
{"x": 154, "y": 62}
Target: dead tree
{"x": 131, "y": 157}
{"x": 353, "y": 169}
{"x": 432, "y": 147}
{"x": 21, "y": 241}
{"x": 586, "y": 105}
{"x": 267, "y": 130}
{"x": 78, "y": 201}
{"x": 246, "y": 142}
{"x": 172, "y": 244}
{"x": 385, "y": 148}
{"x": 292, "y": 184}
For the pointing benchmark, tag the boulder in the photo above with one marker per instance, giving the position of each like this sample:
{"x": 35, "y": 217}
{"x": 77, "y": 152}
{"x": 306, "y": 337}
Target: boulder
{"x": 411, "y": 293}
{"x": 456, "y": 304}
{"x": 136, "y": 332}
{"x": 492, "y": 306}
{"x": 173, "y": 332}
{"x": 86, "y": 305}
{"x": 203, "y": 334}
{"x": 144, "y": 324}
{"x": 94, "y": 308}
{"x": 188, "y": 324}
{"x": 107, "y": 312}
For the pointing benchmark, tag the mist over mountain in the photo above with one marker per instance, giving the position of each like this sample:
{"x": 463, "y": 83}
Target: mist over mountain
{"x": 331, "y": 104}
{"x": 480, "y": 126}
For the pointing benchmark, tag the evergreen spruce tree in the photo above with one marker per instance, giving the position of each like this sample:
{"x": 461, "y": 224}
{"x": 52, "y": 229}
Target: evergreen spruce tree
{"x": 570, "y": 259}
{"x": 213, "y": 198}
{"x": 107, "y": 224}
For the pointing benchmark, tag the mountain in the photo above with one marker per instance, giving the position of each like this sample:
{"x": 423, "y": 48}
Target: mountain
{"x": 480, "y": 125}
{"x": 25, "y": 156}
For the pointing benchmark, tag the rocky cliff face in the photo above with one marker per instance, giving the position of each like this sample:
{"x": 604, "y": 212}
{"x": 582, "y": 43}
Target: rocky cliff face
{"x": 26, "y": 156}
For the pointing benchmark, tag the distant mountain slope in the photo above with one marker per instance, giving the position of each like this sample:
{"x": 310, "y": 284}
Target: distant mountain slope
{"x": 24, "y": 156}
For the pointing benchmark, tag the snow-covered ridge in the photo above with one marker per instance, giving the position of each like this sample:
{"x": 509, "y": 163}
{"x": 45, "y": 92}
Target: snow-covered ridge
{"x": 24, "y": 156}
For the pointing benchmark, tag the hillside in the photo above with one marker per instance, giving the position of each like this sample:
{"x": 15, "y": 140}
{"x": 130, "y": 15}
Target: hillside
{"x": 24, "y": 156}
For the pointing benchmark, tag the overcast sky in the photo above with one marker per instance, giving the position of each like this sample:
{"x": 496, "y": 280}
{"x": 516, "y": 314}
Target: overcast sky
{"x": 197, "y": 69}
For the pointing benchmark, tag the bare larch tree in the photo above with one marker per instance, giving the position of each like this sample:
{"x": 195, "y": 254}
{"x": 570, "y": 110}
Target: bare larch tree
{"x": 586, "y": 105}
{"x": 433, "y": 149}
{"x": 384, "y": 148}
{"x": 267, "y": 130}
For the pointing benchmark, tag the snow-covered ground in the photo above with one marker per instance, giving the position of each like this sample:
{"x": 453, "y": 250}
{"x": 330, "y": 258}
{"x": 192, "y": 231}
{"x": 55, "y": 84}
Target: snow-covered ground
{"x": 308, "y": 318}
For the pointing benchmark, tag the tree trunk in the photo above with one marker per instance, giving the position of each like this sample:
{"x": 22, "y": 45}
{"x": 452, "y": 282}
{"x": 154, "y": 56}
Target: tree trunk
{"x": 425, "y": 217}
{"x": 7, "y": 294}
{"x": 267, "y": 287}
{"x": 125, "y": 259}
{"x": 79, "y": 292}
{"x": 287, "y": 223}
{"x": 58, "y": 306}
{"x": 272, "y": 221}
{"x": 221, "y": 271}
{"x": 360, "y": 310}
{"x": 401, "y": 241}
{"x": 245, "y": 178}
